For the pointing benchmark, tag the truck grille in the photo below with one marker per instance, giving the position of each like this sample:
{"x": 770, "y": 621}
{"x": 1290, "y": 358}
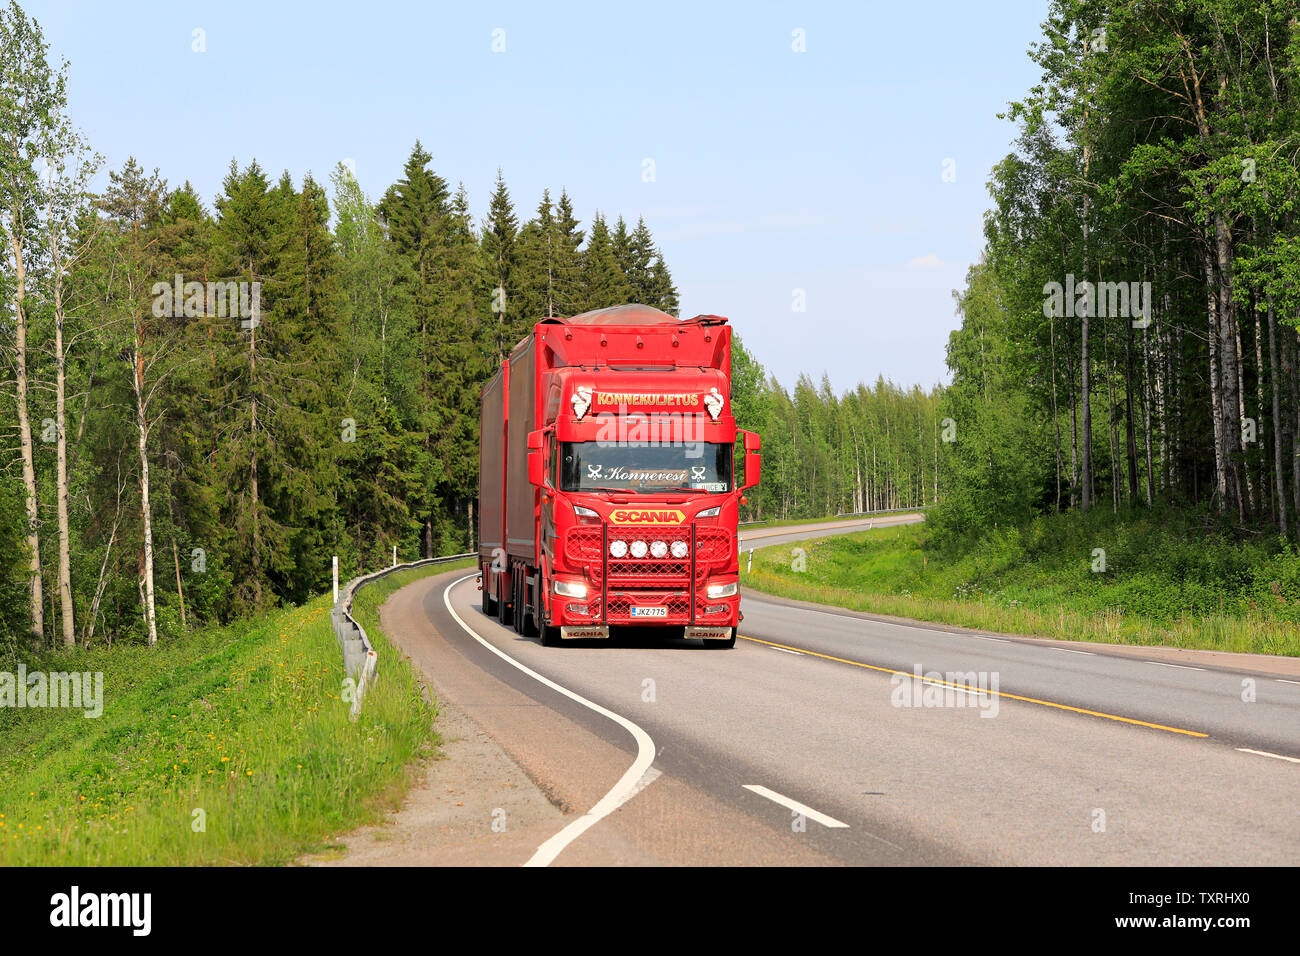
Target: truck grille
{"x": 678, "y": 605}
{"x": 712, "y": 547}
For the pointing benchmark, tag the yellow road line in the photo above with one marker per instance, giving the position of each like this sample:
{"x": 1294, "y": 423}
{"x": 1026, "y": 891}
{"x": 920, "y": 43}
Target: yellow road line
{"x": 1028, "y": 700}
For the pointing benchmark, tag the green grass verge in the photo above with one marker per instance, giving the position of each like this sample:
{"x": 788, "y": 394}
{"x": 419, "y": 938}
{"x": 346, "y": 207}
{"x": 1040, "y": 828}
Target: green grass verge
{"x": 245, "y": 724}
{"x": 1164, "y": 584}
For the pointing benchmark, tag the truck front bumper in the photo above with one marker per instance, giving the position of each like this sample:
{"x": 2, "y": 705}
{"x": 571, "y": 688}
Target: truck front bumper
{"x": 647, "y": 608}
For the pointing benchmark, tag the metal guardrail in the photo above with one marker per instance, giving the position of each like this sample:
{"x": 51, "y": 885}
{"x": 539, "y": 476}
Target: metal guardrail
{"x": 360, "y": 659}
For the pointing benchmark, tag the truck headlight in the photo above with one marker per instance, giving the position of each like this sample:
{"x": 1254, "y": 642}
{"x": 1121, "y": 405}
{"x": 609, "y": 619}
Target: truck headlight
{"x": 639, "y": 548}
{"x": 722, "y": 590}
{"x": 571, "y": 589}
{"x": 584, "y": 512}
{"x": 681, "y": 549}
{"x": 617, "y": 548}
{"x": 710, "y": 512}
{"x": 658, "y": 549}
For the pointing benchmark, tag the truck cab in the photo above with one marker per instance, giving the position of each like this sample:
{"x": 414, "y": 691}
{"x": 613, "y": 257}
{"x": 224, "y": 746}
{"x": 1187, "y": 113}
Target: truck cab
{"x": 624, "y": 512}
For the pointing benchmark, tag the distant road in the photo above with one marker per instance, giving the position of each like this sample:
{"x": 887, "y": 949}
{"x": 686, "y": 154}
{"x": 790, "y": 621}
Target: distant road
{"x": 793, "y": 747}
{"x": 762, "y": 537}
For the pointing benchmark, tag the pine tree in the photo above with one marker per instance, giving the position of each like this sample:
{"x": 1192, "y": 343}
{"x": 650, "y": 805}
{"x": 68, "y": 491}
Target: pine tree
{"x": 604, "y": 283}
{"x": 500, "y": 257}
{"x": 568, "y": 257}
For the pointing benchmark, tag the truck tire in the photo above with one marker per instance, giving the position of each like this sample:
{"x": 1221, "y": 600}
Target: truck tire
{"x": 724, "y": 644}
{"x": 489, "y": 599}
{"x": 550, "y": 635}
{"x": 527, "y": 621}
{"x": 516, "y": 602}
{"x": 503, "y": 608}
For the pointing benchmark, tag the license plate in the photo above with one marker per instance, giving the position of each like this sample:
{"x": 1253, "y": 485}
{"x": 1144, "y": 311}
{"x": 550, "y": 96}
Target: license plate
{"x": 649, "y": 612}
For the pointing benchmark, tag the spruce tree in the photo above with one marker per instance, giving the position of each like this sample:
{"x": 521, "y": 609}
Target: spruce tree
{"x": 603, "y": 281}
{"x": 500, "y": 255}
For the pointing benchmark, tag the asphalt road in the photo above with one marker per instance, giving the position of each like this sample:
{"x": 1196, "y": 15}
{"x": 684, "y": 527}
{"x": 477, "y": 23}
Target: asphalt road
{"x": 811, "y": 742}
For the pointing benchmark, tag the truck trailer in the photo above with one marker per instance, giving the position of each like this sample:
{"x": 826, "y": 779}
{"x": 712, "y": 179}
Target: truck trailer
{"x": 608, "y": 494}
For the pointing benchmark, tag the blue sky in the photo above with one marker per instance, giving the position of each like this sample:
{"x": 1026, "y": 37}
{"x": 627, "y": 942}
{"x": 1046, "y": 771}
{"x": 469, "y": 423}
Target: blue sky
{"x": 773, "y": 170}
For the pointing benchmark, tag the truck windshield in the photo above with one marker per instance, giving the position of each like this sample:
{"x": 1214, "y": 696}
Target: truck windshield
{"x": 602, "y": 466}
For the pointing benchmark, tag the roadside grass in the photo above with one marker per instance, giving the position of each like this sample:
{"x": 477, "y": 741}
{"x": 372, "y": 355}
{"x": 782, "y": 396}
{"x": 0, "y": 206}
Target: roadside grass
{"x": 225, "y": 746}
{"x": 1165, "y": 583}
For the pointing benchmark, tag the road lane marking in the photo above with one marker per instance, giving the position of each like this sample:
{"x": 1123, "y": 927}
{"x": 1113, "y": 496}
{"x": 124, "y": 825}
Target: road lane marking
{"x": 797, "y": 807}
{"x": 1028, "y": 700}
{"x": 1070, "y": 650}
{"x": 1180, "y": 666}
{"x": 1282, "y": 680}
{"x": 957, "y": 687}
{"x": 786, "y": 650}
{"x": 1265, "y": 753}
{"x": 634, "y": 780}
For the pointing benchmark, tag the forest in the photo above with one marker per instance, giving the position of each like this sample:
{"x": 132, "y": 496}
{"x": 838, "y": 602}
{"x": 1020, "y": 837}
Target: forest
{"x": 1128, "y": 341}
{"x": 206, "y": 398}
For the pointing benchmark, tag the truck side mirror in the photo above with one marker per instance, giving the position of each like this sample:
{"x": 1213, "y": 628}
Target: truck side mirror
{"x": 753, "y": 460}
{"x": 536, "y": 463}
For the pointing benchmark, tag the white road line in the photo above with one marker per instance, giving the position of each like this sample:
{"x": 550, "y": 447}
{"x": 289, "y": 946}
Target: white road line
{"x": 634, "y": 780}
{"x": 995, "y": 640}
{"x": 1265, "y": 753}
{"x": 1179, "y": 666}
{"x": 973, "y": 691}
{"x": 1070, "y": 650}
{"x": 1281, "y": 680}
{"x": 796, "y": 806}
{"x": 786, "y": 650}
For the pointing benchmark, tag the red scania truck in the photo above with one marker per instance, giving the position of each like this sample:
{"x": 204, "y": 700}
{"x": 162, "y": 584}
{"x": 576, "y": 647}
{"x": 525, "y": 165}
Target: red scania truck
{"x": 607, "y": 485}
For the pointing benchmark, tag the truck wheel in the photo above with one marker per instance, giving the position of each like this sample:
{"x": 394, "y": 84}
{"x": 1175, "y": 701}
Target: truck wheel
{"x": 489, "y": 599}
{"x": 724, "y": 644}
{"x": 516, "y": 602}
{"x": 503, "y": 608}
{"x": 550, "y": 635}
{"x": 527, "y": 621}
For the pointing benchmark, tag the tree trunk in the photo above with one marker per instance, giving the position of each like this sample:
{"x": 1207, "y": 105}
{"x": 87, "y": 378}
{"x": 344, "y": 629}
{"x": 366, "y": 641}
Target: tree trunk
{"x": 252, "y": 461}
{"x": 1085, "y": 443}
{"x": 1056, "y": 418}
{"x": 142, "y": 446}
{"x": 1280, "y": 482}
{"x": 69, "y": 627}
{"x": 1216, "y": 393}
{"x": 1146, "y": 417}
{"x": 1246, "y": 471}
{"x": 1230, "y": 385}
{"x": 1130, "y": 426}
{"x": 180, "y": 589}
{"x": 36, "y": 597}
